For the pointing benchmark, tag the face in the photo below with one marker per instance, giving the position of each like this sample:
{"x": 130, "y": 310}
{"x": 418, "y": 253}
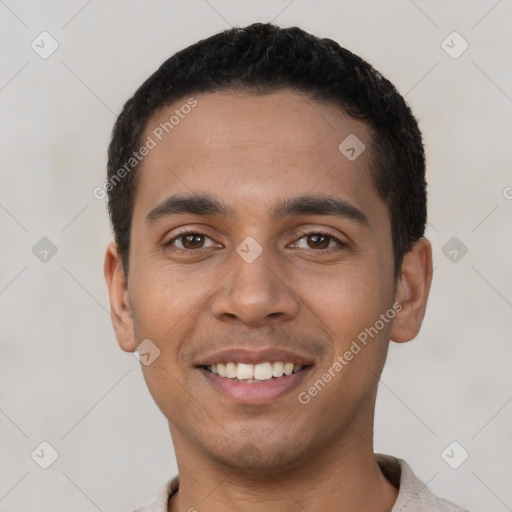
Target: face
{"x": 256, "y": 241}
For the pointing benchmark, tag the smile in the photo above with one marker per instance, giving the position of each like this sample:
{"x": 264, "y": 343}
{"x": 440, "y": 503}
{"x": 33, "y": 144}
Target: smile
{"x": 252, "y": 373}
{"x": 258, "y": 384}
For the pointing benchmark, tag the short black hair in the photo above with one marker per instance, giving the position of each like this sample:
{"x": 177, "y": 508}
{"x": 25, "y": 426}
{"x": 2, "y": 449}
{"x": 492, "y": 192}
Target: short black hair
{"x": 264, "y": 58}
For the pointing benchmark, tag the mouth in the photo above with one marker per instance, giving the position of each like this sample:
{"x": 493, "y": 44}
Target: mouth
{"x": 254, "y": 377}
{"x": 253, "y": 373}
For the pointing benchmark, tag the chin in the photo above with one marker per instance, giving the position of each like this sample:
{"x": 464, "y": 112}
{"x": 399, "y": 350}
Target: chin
{"x": 255, "y": 455}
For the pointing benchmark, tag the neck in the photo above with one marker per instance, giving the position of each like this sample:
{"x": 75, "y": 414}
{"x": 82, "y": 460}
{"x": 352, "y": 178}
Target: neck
{"x": 343, "y": 477}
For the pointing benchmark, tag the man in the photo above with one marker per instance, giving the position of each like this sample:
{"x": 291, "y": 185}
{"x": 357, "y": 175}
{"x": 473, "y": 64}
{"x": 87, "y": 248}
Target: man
{"x": 267, "y": 196}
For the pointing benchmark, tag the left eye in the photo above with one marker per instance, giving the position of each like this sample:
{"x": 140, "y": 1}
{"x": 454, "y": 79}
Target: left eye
{"x": 319, "y": 241}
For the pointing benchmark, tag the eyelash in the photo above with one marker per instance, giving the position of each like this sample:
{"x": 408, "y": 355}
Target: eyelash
{"x": 303, "y": 234}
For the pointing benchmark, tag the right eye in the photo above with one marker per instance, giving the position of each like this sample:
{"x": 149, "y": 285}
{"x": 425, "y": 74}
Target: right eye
{"x": 189, "y": 240}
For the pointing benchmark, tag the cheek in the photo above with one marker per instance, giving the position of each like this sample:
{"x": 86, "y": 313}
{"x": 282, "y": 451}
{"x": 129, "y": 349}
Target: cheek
{"x": 161, "y": 298}
{"x": 168, "y": 306}
{"x": 346, "y": 301}
{"x": 164, "y": 307}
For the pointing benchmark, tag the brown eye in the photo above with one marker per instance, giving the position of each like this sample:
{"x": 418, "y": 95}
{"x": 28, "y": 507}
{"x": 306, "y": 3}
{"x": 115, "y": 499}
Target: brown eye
{"x": 189, "y": 240}
{"x": 192, "y": 241}
{"x": 318, "y": 241}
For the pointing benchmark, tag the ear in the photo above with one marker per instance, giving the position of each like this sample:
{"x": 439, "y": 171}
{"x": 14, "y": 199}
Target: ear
{"x": 120, "y": 309}
{"x": 412, "y": 291}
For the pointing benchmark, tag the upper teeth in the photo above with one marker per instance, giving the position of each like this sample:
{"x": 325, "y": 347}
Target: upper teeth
{"x": 260, "y": 371}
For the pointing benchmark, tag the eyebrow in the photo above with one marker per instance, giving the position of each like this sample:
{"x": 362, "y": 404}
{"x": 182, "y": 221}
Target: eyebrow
{"x": 195, "y": 205}
{"x": 303, "y": 205}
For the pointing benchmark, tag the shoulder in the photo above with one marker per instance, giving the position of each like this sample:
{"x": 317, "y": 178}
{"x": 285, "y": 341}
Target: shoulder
{"x": 413, "y": 494}
{"x": 160, "y": 501}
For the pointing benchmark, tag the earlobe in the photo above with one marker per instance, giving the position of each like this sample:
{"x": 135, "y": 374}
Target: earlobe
{"x": 412, "y": 291}
{"x": 120, "y": 308}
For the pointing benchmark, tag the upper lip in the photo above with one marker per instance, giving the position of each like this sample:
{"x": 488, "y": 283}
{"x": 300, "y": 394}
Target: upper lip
{"x": 240, "y": 355}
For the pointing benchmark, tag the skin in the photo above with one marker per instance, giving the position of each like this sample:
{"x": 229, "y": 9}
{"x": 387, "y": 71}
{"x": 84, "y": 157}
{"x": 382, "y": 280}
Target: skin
{"x": 305, "y": 294}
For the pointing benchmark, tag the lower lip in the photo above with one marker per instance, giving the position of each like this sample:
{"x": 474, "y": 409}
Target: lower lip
{"x": 255, "y": 392}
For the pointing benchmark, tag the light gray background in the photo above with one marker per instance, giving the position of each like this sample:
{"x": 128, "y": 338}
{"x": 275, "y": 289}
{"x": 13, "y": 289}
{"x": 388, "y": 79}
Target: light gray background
{"x": 63, "y": 378}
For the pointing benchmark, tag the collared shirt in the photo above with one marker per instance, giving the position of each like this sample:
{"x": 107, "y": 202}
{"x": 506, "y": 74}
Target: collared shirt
{"x": 413, "y": 495}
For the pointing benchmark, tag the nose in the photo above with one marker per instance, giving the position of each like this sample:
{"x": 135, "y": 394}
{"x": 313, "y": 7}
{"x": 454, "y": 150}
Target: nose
{"x": 254, "y": 293}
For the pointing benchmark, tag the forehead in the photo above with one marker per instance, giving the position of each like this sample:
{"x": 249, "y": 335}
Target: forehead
{"x": 249, "y": 148}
